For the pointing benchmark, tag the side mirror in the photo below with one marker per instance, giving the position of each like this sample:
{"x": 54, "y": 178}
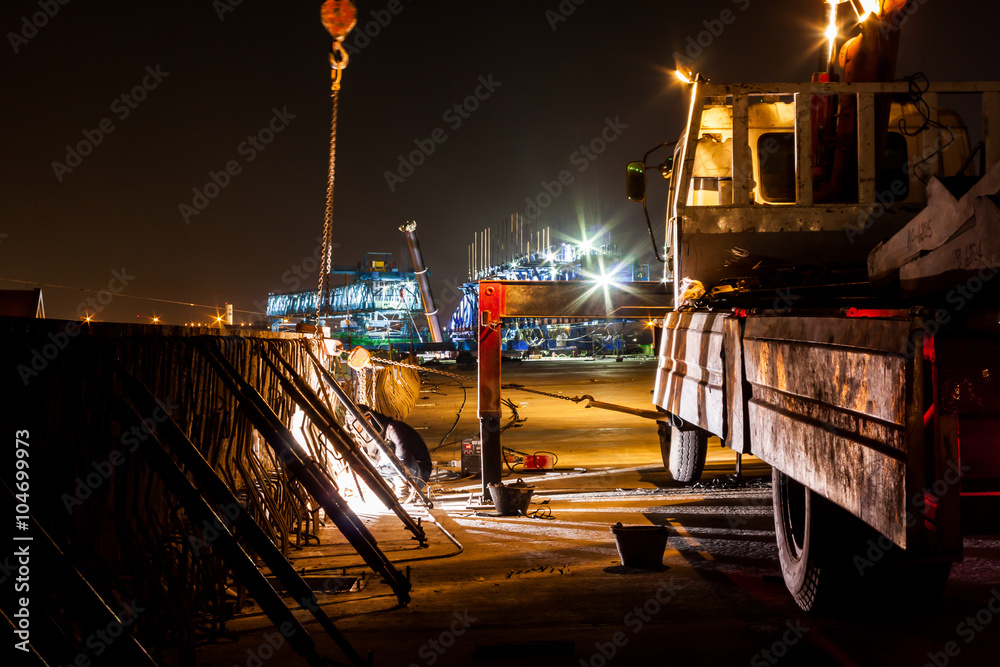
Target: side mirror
{"x": 635, "y": 181}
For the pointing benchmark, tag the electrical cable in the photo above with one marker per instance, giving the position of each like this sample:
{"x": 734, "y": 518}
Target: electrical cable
{"x": 918, "y": 85}
{"x": 127, "y": 296}
{"x": 645, "y": 211}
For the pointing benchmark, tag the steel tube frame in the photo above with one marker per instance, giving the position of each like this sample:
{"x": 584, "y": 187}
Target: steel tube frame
{"x": 308, "y": 472}
{"x": 176, "y": 441}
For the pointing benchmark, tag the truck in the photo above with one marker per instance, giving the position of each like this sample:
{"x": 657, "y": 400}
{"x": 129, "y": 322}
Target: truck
{"x": 834, "y": 248}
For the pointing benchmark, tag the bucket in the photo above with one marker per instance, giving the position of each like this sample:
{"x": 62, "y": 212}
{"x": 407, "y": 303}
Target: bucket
{"x": 640, "y": 546}
{"x": 511, "y": 499}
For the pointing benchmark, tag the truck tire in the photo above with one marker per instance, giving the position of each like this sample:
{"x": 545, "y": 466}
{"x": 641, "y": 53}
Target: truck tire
{"x": 796, "y": 528}
{"x": 819, "y": 547}
{"x": 683, "y": 452}
{"x": 663, "y": 430}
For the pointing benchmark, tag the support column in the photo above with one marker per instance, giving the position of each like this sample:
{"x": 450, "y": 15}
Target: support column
{"x": 410, "y": 230}
{"x": 491, "y": 307}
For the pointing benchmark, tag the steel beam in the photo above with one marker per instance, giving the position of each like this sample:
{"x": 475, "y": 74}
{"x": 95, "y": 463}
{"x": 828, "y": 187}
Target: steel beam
{"x": 499, "y": 299}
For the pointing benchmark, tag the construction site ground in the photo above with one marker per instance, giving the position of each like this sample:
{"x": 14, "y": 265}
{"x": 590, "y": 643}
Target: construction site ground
{"x": 552, "y": 591}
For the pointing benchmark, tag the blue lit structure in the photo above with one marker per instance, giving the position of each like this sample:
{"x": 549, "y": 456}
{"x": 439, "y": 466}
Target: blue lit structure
{"x": 558, "y": 262}
{"x": 375, "y": 304}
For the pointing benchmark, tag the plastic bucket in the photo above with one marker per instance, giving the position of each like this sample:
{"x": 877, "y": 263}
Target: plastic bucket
{"x": 511, "y": 499}
{"x": 640, "y": 546}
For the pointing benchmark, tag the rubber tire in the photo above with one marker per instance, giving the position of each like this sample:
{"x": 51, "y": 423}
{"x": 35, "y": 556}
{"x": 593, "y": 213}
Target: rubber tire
{"x": 663, "y": 430}
{"x": 685, "y": 454}
{"x": 795, "y": 529}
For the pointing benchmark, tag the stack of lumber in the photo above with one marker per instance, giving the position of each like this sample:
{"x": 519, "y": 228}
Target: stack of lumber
{"x": 950, "y": 240}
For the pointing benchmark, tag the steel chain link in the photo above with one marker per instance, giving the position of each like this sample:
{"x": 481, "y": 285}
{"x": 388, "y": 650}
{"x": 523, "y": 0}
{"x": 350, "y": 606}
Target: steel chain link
{"x": 574, "y": 399}
{"x": 389, "y": 362}
{"x": 323, "y": 288}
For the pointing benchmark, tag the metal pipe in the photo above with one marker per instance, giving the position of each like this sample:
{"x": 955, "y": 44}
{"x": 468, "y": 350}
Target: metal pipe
{"x": 410, "y": 230}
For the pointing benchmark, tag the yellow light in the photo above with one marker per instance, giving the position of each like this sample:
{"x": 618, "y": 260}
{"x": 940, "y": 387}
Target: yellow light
{"x": 831, "y": 30}
{"x": 869, "y": 7}
{"x": 682, "y": 76}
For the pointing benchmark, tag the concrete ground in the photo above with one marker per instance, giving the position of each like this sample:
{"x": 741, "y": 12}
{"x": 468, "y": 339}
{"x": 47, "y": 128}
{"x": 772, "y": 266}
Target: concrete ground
{"x": 551, "y": 591}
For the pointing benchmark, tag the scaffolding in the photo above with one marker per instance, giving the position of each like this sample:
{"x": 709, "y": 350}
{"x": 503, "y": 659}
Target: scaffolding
{"x": 376, "y": 303}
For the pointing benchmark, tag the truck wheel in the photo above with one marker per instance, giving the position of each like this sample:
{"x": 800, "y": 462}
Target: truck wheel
{"x": 683, "y": 453}
{"x": 663, "y": 430}
{"x": 797, "y": 533}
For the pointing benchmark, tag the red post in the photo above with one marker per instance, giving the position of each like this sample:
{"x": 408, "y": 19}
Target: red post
{"x": 492, "y": 303}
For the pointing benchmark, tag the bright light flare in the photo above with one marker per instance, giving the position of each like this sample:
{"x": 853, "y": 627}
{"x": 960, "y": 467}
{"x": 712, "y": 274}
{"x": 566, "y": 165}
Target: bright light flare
{"x": 831, "y": 31}
{"x": 604, "y": 280}
{"x": 684, "y": 78}
{"x": 869, "y": 7}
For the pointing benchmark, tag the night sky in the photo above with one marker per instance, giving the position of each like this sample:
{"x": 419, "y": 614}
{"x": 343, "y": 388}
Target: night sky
{"x": 217, "y": 73}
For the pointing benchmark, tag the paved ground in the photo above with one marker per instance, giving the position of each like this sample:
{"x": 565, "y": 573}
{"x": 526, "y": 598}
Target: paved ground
{"x": 552, "y": 592}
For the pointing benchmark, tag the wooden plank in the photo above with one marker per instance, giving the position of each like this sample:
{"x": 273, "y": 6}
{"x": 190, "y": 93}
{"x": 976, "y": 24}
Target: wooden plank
{"x": 991, "y": 127}
{"x": 932, "y": 227}
{"x": 803, "y": 150}
{"x": 974, "y": 252}
{"x": 866, "y": 149}
{"x": 742, "y": 161}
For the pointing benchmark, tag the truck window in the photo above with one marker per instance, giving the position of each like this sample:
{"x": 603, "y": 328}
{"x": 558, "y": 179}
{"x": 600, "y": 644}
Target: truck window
{"x": 776, "y": 157}
{"x": 895, "y": 174}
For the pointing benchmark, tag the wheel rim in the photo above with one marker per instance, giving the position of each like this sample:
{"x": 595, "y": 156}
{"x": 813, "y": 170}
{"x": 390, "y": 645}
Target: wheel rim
{"x": 793, "y": 515}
